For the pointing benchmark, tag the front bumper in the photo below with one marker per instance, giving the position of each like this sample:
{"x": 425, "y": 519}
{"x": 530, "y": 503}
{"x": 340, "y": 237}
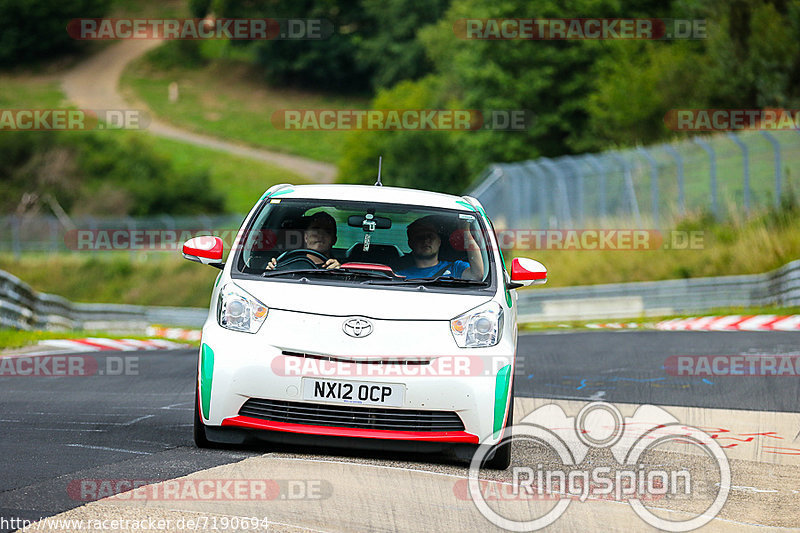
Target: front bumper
{"x": 249, "y": 366}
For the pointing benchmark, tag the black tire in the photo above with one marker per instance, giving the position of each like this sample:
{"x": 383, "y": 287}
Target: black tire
{"x": 200, "y": 438}
{"x": 502, "y": 451}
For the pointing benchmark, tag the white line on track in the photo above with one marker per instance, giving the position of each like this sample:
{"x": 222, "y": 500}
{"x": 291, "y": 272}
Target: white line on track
{"x": 107, "y": 449}
{"x": 84, "y": 423}
{"x": 132, "y": 422}
{"x": 68, "y": 429}
{"x": 174, "y": 407}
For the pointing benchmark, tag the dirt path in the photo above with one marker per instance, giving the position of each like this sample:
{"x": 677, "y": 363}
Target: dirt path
{"x": 94, "y": 84}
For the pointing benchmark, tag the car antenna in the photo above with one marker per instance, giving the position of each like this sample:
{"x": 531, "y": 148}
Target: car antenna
{"x": 380, "y": 160}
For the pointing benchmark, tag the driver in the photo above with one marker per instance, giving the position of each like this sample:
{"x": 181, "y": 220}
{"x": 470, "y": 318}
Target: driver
{"x": 425, "y": 239}
{"x": 319, "y": 235}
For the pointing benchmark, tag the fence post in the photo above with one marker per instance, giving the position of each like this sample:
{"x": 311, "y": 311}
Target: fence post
{"x": 634, "y": 203}
{"x": 601, "y": 172}
{"x": 131, "y": 229}
{"x": 746, "y": 163}
{"x": 16, "y": 244}
{"x": 570, "y": 161}
{"x": 712, "y": 156}
{"x": 562, "y": 189}
{"x": 653, "y": 183}
{"x": 533, "y": 168}
{"x": 776, "y": 147}
{"x": 679, "y": 170}
{"x": 52, "y": 224}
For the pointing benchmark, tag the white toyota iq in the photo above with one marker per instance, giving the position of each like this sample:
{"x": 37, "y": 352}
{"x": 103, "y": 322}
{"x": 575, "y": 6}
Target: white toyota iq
{"x": 361, "y": 316}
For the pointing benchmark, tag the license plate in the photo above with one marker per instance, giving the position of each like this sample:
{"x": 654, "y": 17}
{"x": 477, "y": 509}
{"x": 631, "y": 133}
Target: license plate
{"x": 354, "y": 392}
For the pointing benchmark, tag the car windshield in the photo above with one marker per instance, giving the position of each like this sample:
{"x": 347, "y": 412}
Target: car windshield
{"x": 378, "y": 243}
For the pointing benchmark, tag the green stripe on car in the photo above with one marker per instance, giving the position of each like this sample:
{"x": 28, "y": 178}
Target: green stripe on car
{"x": 206, "y": 373}
{"x": 501, "y": 395}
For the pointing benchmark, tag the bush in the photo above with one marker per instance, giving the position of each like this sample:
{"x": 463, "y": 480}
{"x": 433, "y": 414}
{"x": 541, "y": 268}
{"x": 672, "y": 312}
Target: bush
{"x": 101, "y": 173}
{"x": 35, "y": 29}
{"x": 431, "y": 160}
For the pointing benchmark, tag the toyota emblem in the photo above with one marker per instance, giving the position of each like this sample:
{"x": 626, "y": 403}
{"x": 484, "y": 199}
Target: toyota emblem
{"x": 357, "y": 327}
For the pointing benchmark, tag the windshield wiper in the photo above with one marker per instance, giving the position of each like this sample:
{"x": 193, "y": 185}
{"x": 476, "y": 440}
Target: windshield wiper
{"x": 327, "y": 272}
{"x": 423, "y": 281}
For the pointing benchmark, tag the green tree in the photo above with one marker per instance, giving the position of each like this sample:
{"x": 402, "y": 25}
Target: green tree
{"x": 751, "y": 59}
{"x": 392, "y": 49}
{"x": 329, "y": 64}
{"x": 418, "y": 159}
{"x": 549, "y": 78}
{"x": 35, "y": 29}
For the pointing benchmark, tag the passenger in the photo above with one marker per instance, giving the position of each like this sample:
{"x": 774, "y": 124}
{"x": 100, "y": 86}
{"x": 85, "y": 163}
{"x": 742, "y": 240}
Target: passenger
{"x": 425, "y": 240}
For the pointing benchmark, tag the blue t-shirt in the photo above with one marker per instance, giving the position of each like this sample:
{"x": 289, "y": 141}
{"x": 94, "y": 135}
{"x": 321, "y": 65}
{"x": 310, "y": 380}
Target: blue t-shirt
{"x": 454, "y": 270}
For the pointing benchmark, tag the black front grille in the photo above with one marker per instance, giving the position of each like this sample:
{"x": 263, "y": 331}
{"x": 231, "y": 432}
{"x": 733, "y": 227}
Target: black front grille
{"x": 346, "y": 416}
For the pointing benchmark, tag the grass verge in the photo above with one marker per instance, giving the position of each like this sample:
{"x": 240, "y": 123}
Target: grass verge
{"x": 225, "y": 98}
{"x": 16, "y": 338}
{"x": 754, "y": 246}
{"x": 241, "y": 180}
{"x": 117, "y": 277}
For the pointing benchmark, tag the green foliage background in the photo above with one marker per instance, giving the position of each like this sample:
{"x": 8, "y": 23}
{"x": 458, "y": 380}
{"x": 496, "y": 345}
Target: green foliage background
{"x": 33, "y": 29}
{"x": 586, "y": 95}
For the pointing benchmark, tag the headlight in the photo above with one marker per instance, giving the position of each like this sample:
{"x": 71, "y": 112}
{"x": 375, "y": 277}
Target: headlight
{"x": 239, "y": 311}
{"x": 480, "y": 327}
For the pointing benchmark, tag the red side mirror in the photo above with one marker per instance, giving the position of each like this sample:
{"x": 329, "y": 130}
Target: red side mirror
{"x": 206, "y": 249}
{"x": 526, "y": 271}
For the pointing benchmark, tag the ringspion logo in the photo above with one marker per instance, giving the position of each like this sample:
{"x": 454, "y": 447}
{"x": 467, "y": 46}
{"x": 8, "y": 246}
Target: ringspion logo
{"x": 630, "y": 477}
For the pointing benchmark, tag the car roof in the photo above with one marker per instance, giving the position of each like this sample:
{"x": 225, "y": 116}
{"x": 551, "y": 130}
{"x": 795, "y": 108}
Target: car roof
{"x": 369, "y": 193}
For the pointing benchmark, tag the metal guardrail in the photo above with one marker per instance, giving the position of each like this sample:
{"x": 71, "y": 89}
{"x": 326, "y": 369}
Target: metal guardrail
{"x": 21, "y": 307}
{"x": 780, "y": 287}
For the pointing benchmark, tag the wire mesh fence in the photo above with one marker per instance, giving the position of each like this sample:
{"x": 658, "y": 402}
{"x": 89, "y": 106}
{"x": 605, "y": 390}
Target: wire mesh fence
{"x": 726, "y": 175}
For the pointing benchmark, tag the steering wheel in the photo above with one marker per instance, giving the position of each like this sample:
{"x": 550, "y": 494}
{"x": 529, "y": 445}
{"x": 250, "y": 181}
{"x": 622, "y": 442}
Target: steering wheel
{"x": 288, "y": 257}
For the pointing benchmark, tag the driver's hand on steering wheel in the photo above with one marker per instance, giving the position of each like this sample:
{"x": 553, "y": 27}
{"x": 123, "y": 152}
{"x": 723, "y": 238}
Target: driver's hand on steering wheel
{"x": 331, "y": 263}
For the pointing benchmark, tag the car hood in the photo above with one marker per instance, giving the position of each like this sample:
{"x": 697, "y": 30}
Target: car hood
{"x": 368, "y": 302}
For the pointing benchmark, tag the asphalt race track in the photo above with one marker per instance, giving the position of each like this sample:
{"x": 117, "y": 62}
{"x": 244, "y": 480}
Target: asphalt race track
{"x": 628, "y": 367}
{"x": 56, "y": 430}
